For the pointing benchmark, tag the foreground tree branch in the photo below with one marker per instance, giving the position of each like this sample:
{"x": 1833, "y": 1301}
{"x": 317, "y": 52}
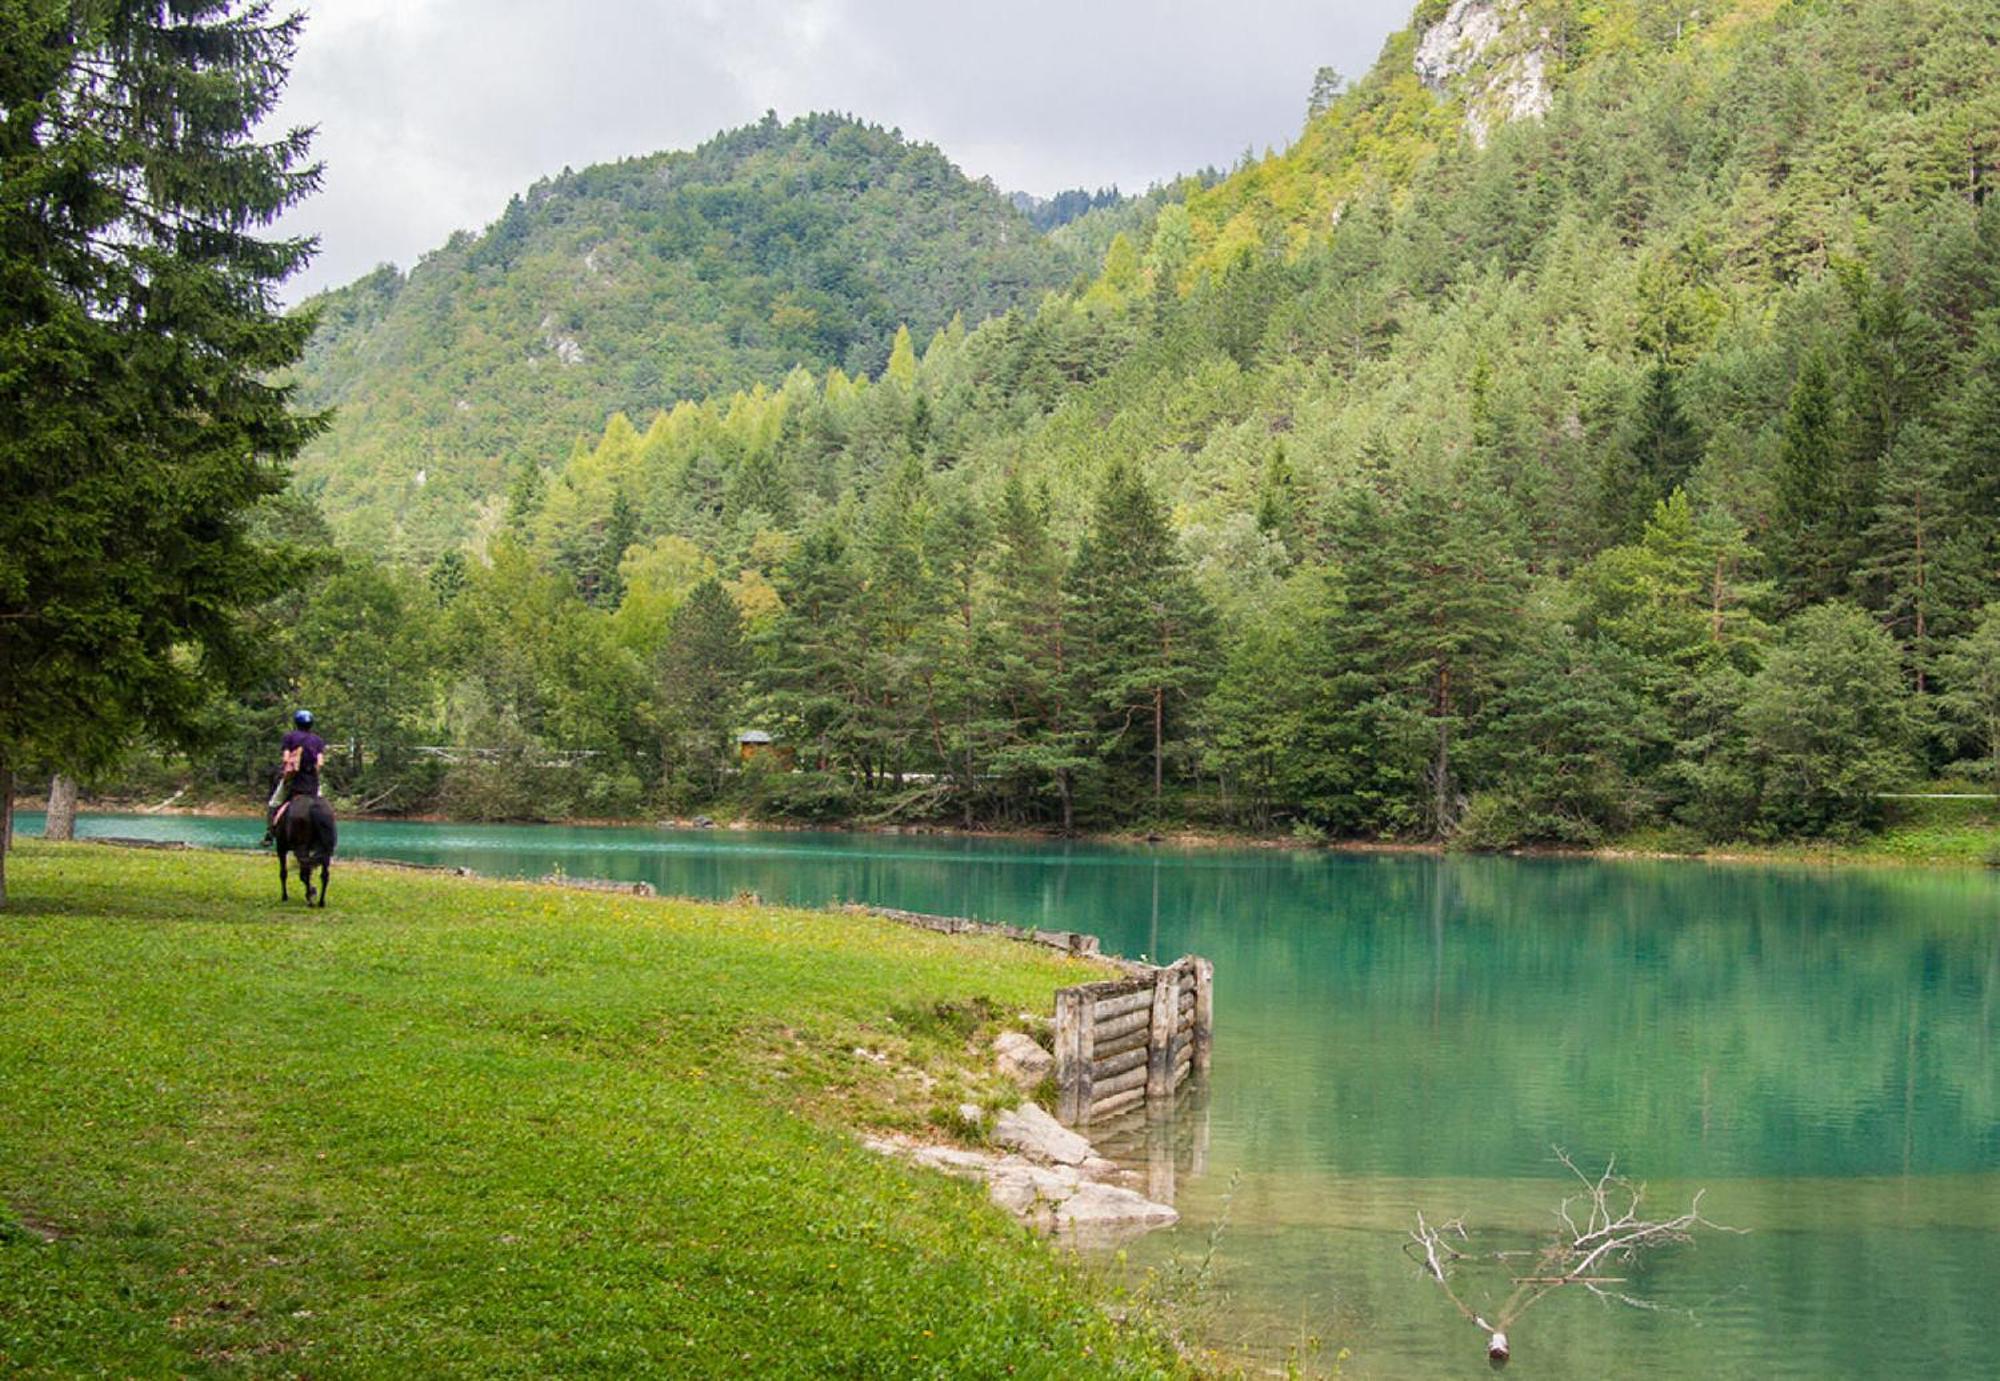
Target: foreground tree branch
{"x": 1598, "y": 1229}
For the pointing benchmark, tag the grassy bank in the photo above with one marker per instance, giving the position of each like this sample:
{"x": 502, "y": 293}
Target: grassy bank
{"x": 1940, "y": 832}
{"x": 452, "y": 1127}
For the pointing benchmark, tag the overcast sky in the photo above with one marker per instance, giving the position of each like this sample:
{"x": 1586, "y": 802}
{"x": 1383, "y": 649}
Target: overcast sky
{"x": 432, "y": 112}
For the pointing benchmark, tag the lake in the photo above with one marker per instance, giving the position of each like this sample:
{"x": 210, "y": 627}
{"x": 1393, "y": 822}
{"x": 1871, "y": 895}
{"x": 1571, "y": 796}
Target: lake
{"x": 1815, "y": 1049}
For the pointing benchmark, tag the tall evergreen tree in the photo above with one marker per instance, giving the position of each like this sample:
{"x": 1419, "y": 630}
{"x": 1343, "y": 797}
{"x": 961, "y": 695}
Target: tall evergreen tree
{"x": 1920, "y": 569}
{"x": 139, "y": 329}
{"x": 811, "y": 659}
{"x": 1970, "y": 668}
{"x": 1659, "y": 454}
{"x": 1278, "y": 503}
{"x": 1145, "y": 635}
{"x": 952, "y": 656}
{"x": 1281, "y": 723}
{"x": 1809, "y": 528}
{"x": 1974, "y": 428}
{"x": 700, "y": 678}
{"x": 759, "y": 487}
{"x": 1046, "y": 739}
{"x": 1435, "y": 589}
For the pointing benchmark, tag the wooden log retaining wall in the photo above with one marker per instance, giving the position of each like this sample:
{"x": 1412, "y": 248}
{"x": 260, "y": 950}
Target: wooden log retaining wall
{"x": 1132, "y": 1042}
{"x": 1068, "y": 941}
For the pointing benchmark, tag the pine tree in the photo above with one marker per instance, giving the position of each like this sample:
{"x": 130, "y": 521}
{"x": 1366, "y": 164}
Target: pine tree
{"x": 1678, "y": 597}
{"x": 1435, "y": 589}
{"x": 1281, "y": 722}
{"x": 139, "y": 332}
{"x": 525, "y": 497}
{"x": 1562, "y": 742}
{"x": 1327, "y": 84}
{"x": 1278, "y": 503}
{"x": 1144, "y": 634}
{"x": 1809, "y": 526}
{"x": 1974, "y": 428}
{"x": 758, "y": 487}
{"x": 1970, "y": 669}
{"x": 810, "y": 662}
{"x": 1046, "y": 736}
{"x": 1659, "y": 453}
{"x": 953, "y": 655}
{"x": 700, "y": 679}
{"x": 603, "y": 586}
{"x": 904, "y": 597}
{"x": 1920, "y": 570}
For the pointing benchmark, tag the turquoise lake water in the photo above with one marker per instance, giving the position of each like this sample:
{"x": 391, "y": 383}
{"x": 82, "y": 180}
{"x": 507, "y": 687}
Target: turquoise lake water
{"x": 1814, "y": 1049}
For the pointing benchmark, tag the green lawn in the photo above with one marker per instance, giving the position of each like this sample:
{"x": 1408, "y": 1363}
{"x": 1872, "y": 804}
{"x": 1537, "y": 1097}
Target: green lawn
{"x": 465, "y": 1128}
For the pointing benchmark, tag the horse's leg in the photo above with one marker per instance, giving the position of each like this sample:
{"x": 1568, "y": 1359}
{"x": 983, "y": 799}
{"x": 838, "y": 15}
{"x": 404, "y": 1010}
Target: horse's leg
{"x": 324, "y": 867}
{"x": 284, "y": 893}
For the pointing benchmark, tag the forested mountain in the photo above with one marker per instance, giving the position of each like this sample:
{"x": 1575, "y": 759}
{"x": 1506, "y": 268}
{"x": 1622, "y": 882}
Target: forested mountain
{"x": 1591, "y": 422}
{"x": 633, "y": 284}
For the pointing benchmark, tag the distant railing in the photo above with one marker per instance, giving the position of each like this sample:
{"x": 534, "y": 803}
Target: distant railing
{"x": 1132, "y": 1041}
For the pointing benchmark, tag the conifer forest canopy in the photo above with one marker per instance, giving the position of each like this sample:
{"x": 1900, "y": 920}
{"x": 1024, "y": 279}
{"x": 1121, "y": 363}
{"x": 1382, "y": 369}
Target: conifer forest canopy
{"x": 1591, "y": 423}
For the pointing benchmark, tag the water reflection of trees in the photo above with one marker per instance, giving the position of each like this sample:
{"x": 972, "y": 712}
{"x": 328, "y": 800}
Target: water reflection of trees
{"x": 1453, "y": 1018}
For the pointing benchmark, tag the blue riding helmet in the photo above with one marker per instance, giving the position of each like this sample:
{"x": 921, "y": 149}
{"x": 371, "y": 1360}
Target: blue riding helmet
{"x": 303, "y": 718}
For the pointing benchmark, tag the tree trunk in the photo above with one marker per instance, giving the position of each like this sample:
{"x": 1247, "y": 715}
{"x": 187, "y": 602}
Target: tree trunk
{"x": 6, "y": 820}
{"x": 1159, "y": 745}
{"x": 1715, "y": 606}
{"x": 1441, "y": 766}
{"x": 1068, "y": 802}
{"x": 60, "y": 823}
{"x": 1923, "y": 598}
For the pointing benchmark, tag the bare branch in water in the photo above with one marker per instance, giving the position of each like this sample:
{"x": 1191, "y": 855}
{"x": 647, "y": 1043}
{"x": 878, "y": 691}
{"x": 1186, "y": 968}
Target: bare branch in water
{"x": 1612, "y": 1233}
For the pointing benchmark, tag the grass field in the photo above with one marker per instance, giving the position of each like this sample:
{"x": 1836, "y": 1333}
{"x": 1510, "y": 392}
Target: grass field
{"x": 449, "y": 1127}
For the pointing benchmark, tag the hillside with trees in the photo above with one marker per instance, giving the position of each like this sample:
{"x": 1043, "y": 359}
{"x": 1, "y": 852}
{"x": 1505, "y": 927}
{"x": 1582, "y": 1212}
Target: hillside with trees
{"x": 630, "y": 285}
{"x": 1589, "y": 425}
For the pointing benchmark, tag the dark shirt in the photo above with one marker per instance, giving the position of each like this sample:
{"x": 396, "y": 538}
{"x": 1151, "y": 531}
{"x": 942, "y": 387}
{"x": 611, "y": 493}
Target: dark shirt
{"x": 305, "y": 782}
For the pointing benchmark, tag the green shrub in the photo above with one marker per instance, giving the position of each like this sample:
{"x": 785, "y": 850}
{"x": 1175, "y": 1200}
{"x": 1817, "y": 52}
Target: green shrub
{"x": 1492, "y": 821}
{"x": 822, "y": 797}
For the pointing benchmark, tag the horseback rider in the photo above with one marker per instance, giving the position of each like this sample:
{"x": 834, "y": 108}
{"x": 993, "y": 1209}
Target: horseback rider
{"x": 300, "y": 754}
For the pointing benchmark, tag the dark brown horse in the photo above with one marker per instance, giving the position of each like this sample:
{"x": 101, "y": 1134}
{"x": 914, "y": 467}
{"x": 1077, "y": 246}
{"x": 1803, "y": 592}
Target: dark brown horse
{"x": 306, "y": 830}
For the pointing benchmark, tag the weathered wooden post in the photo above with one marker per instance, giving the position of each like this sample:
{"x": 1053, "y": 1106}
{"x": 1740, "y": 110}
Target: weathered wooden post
{"x": 1160, "y": 1042}
{"x": 1076, "y": 1028}
{"x": 1204, "y": 1012}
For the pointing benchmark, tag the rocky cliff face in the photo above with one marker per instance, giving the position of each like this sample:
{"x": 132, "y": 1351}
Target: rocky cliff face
{"x": 1488, "y": 53}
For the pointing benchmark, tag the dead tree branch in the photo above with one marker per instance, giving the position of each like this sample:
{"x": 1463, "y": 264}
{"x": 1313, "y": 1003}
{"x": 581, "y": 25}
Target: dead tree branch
{"x": 1599, "y": 1227}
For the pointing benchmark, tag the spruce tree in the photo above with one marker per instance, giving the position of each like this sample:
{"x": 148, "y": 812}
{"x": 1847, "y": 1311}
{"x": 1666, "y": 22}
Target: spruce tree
{"x": 1659, "y": 453}
{"x": 1278, "y": 503}
{"x": 1974, "y": 428}
{"x": 139, "y": 334}
{"x": 700, "y": 678}
{"x": 1045, "y": 735}
{"x": 1920, "y": 570}
{"x": 1970, "y": 669}
{"x": 1145, "y": 635}
{"x": 811, "y": 659}
{"x": 1809, "y": 526}
{"x": 1436, "y": 587}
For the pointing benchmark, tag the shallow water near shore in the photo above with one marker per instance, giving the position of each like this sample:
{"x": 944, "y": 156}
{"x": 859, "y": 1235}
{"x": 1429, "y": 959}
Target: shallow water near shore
{"x": 1813, "y": 1048}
